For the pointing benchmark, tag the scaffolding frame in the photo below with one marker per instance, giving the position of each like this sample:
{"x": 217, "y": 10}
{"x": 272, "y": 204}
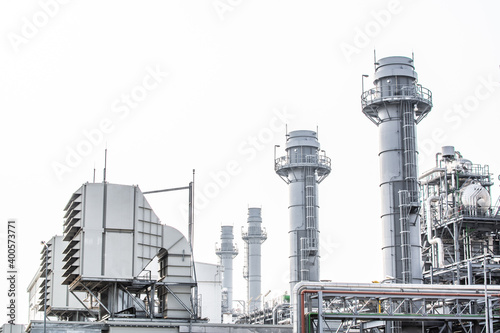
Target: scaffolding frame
{"x": 470, "y": 235}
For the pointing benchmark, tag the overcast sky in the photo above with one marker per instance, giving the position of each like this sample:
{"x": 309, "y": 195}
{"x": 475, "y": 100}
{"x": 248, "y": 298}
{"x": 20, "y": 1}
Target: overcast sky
{"x": 171, "y": 86}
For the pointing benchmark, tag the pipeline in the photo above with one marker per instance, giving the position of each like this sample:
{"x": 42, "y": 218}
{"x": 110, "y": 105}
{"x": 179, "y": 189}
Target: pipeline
{"x": 410, "y": 290}
{"x": 429, "y": 172}
{"x": 437, "y": 159}
{"x": 278, "y": 309}
{"x": 434, "y": 240}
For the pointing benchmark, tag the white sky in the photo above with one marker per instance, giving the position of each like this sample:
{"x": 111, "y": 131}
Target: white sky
{"x": 231, "y": 65}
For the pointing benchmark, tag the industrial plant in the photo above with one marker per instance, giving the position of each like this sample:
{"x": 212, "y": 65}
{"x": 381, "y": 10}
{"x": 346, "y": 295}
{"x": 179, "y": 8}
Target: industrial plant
{"x": 117, "y": 268}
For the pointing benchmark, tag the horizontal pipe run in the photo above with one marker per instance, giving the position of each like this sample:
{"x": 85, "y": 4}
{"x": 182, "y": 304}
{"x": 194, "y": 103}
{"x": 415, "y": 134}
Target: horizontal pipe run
{"x": 378, "y": 290}
{"x": 431, "y": 171}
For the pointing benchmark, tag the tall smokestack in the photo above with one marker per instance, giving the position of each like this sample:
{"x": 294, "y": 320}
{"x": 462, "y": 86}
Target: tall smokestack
{"x": 253, "y": 237}
{"x": 396, "y": 104}
{"x": 227, "y": 252}
{"x": 302, "y": 169}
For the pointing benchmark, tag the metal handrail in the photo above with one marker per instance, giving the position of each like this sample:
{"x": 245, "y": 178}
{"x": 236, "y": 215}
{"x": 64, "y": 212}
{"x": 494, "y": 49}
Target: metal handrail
{"x": 462, "y": 211}
{"x": 220, "y": 250}
{"x": 477, "y": 170}
{"x": 286, "y": 161}
{"x": 393, "y": 91}
{"x": 246, "y": 234}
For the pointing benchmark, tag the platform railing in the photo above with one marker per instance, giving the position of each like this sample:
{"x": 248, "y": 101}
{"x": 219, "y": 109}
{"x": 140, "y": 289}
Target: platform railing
{"x": 396, "y": 91}
{"x": 287, "y": 161}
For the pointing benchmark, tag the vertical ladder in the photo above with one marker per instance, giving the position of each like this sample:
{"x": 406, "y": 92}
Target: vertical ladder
{"x": 408, "y": 197}
{"x": 404, "y": 220}
{"x": 245, "y": 264}
{"x": 309, "y": 244}
{"x": 409, "y": 151}
{"x": 312, "y": 228}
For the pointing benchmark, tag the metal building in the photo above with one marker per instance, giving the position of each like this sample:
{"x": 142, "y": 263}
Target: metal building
{"x": 12, "y": 328}
{"x": 396, "y": 105}
{"x": 227, "y": 251}
{"x": 460, "y": 239}
{"x": 112, "y": 246}
{"x": 302, "y": 169}
{"x": 112, "y": 235}
{"x": 209, "y": 281}
{"x": 253, "y": 237}
{"x": 61, "y": 302}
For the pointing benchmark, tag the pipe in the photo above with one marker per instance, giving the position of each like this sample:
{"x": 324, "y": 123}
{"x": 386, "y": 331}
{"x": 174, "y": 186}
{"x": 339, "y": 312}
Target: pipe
{"x": 447, "y": 206}
{"x": 454, "y": 182}
{"x": 305, "y": 287}
{"x": 275, "y": 312}
{"x": 431, "y": 171}
{"x": 437, "y": 159}
{"x": 436, "y": 240}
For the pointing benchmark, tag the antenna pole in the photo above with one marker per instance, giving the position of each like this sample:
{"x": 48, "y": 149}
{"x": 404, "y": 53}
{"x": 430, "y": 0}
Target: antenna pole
{"x": 192, "y": 212}
{"x": 105, "y": 162}
{"x": 190, "y": 215}
{"x": 191, "y": 242}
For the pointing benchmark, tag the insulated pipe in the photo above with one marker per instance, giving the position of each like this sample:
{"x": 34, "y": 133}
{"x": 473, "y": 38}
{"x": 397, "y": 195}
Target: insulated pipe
{"x": 437, "y": 159}
{"x": 431, "y": 171}
{"x": 303, "y": 288}
{"x": 436, "y": 240}
{"x": 275, "y": 312}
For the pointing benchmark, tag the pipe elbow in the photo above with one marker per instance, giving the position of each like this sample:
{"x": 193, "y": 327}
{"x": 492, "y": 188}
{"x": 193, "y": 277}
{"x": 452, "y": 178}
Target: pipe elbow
{"x": 434, "y": 240}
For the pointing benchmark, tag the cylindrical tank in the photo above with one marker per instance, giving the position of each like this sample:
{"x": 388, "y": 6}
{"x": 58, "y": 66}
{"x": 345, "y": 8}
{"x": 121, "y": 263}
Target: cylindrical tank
{"x": 396, "y": 105}
{"x": 475, "y": 197}
{"x": 254, "y": 237}
{"x": 302, "y": 169}
{"x": 227, "y": 252}
{"x": 448, "y": 151}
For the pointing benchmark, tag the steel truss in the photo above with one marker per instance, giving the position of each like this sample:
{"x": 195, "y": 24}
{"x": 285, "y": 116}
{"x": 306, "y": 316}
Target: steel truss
{"x": 145, "y": 295}
{"x": 395, "y": 307}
